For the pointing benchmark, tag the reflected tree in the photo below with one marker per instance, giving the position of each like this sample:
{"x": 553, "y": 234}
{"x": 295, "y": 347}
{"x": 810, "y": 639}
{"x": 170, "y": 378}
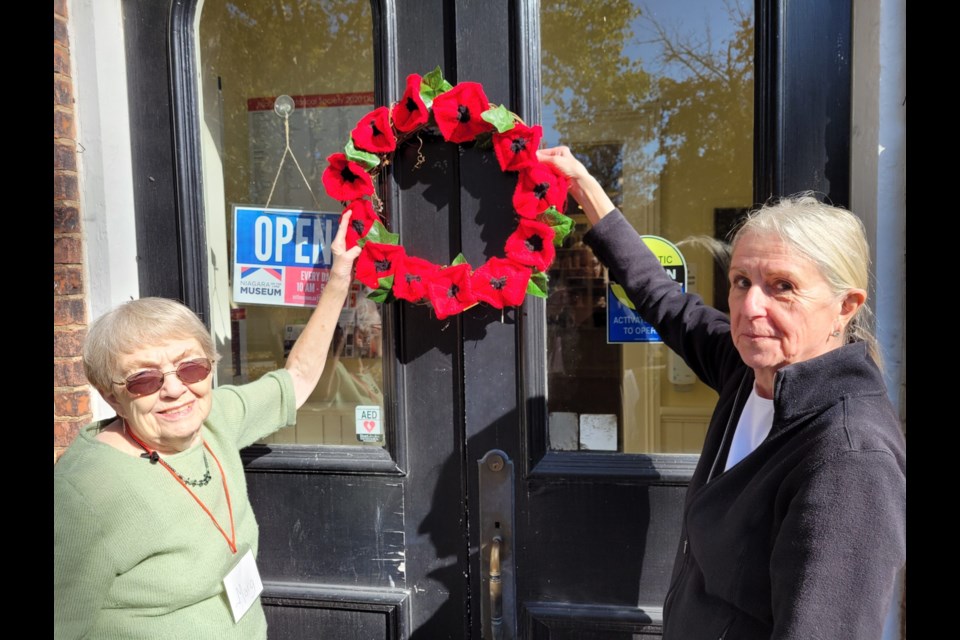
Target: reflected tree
{"x": 587, "y": 69}
{"x": 705, "y": 89}
{"x": 260, "y": 49}
{"x": 689, "y": 101}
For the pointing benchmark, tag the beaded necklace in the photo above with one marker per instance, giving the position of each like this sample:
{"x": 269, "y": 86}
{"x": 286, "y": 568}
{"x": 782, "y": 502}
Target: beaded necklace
{"x": 202, "y": 482}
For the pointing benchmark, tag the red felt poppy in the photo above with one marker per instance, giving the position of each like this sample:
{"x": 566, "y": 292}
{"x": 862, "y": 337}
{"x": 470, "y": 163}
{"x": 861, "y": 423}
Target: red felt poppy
{"x": 410, "y": 277}
{"x": 531, "y": 244}
{"x": 449, "y": 290}
{"x": 377, "y": 261}
{"x": 374, "y": 133}
{"x": 500, "y": 282}
{"x": 540, "y": 187}
{"x": 361, "y": 220}
{"x": 345, "y": 180}
{"x": 410, "y": 112}
{"x": 517, "y": 148}
{"x": 458, "y": 110}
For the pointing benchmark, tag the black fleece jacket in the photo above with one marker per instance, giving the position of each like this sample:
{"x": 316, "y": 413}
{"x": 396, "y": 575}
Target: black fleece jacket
{"x": 804, "y": 537}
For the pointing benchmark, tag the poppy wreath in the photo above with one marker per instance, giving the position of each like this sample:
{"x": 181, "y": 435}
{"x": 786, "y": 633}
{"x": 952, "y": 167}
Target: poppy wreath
{"x": 462, "y": 114}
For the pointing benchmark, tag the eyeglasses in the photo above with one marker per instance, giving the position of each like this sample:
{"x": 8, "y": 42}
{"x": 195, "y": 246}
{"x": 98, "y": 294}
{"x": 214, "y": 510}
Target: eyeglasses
{"x": 143, "y": 383}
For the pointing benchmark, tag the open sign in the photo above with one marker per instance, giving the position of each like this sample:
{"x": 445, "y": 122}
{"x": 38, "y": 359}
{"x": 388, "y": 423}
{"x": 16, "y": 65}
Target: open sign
{"x": 281, "y": 256}
{"x": 281, "y": 237}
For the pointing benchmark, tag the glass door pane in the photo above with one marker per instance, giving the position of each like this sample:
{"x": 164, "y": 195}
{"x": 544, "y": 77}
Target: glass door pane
{"x": 282, "y": 85}
{"x": 657, "y": 100}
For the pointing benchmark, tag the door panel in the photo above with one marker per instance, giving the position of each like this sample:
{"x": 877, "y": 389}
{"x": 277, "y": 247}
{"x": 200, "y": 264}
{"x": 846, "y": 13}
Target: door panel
{"x": 490, "y": 349}
{"x": 304, "y": 611}
{"x": 598, "y": 530}
{"x": 308, "y": 545}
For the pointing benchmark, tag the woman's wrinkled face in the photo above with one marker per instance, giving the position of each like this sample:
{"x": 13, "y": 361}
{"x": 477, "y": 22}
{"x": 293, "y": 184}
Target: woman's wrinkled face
{"x": 782, "y": 310}
{"x": 169, "y": 419}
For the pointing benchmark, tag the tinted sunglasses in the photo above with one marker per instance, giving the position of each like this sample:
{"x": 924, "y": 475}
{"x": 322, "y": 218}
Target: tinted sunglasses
{"x": 143, "y": 383}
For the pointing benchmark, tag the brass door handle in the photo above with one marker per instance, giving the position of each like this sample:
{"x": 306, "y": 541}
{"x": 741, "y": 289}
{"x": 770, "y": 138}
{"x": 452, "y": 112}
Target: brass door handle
{"x": 494, "y": 544}
{"x": 496, "y": 590}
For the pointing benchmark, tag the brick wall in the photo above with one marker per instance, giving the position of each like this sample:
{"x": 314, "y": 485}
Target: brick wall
{"x": 71, "y": 395}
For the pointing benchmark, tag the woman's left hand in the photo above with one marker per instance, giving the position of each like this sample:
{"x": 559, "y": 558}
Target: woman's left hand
{"x": 343, "y": 258}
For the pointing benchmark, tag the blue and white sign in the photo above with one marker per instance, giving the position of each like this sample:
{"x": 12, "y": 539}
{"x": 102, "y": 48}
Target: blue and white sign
{"x": 624, "y": 324}
{"x": 281, "y": 256}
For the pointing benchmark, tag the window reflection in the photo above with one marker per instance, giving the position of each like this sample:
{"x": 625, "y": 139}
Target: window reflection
{"x": 656, "y": 99}
{"x": 320, "y": 54}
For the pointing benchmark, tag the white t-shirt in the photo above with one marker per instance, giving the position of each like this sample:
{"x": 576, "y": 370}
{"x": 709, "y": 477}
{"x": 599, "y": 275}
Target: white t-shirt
{"x": 753, "y": 427}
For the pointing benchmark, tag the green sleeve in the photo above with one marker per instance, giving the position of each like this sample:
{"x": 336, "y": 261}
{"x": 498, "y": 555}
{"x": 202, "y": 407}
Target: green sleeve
{"x": 82, "y": 568}
{"x": 257, "y": 409}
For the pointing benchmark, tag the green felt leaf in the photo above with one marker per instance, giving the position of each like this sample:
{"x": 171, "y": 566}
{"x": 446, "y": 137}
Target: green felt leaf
{"x": 380, "y": 234}
{"x": 537, "y": 286}
{"x": 458, "y": 260}
{"x": 367, "y": 159}
{"x": 500, "y": 118}
{"x": 561, "y": 224}
{"x": 433, "y": 85}
{"x": 382, "y": 293}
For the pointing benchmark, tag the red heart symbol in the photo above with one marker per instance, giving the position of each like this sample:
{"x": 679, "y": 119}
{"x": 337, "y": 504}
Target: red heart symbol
{"x": 369, "y": 425}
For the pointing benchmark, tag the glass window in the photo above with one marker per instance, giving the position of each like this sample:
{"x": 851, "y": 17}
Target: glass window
{"x": 657, "y": 100}
{"x": 263, "y": 155}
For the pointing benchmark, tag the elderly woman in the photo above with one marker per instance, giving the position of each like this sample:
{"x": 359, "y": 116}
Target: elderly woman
{"x": 794, "y": 520}
{"x": 154, "y": 536}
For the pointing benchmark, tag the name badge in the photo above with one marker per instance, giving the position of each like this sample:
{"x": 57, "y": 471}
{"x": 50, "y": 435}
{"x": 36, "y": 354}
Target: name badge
{"x": 243, "y": 585}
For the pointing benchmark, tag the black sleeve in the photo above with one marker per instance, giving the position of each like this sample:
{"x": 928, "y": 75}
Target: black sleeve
{"x": 697, "y": 332}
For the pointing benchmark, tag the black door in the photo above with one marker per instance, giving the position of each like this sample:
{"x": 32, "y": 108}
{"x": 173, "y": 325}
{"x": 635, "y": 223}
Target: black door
{"x": 403, "y": 541}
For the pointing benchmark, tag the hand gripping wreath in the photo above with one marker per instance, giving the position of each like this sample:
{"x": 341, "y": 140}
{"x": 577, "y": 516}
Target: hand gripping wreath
{"x": 462, "y": 114}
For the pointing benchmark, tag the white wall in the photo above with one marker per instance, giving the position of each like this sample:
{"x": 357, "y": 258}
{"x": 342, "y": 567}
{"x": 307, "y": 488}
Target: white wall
{"x": 878, "y": 187}
{"x": 103, "y": 158}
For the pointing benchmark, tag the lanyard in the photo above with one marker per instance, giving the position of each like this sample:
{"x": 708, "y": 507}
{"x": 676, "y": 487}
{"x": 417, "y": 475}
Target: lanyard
{"x": 154, "y": 457}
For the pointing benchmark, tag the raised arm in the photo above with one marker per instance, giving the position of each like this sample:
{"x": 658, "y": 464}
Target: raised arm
{"x": 583, "y": 187}
{"x": 309, "y": 354}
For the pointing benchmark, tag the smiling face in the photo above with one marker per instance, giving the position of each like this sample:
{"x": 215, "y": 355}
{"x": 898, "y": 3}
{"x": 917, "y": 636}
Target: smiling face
{"x": 167, "y": 420}
{"x": 782, "y": 310}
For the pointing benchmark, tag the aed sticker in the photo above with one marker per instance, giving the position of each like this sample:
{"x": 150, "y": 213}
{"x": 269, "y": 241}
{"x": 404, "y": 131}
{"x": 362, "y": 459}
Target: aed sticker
{"x": 369, "y": 423}
{"x": 624, "y": 324}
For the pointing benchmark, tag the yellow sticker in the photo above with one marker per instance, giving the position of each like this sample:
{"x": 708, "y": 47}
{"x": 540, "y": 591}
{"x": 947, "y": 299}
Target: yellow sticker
{"x": 621, "y": 295}
{"x": 670, "y": 259}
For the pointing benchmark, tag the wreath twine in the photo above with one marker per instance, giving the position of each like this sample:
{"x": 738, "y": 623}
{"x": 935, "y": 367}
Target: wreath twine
{"x": 463, "y": 115}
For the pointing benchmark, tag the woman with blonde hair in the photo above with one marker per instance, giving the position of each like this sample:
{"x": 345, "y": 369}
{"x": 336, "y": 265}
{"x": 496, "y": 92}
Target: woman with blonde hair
{"x": 794, "y": 521}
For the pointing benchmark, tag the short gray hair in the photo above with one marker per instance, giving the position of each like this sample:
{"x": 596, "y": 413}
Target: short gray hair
{"x": 133, "y": 325}
{"x": 833, "y": 239}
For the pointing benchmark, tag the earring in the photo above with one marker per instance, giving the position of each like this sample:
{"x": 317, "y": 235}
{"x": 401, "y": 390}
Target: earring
{"x": 836, "y": 333}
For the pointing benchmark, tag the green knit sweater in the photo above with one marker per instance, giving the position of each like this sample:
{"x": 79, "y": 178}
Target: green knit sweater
{"x": 134, "y": 555}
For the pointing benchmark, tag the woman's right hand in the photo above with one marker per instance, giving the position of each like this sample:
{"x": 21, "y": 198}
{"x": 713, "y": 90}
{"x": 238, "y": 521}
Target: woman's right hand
{"x": 583, "y": 187}
{"x": 564, "y": 160}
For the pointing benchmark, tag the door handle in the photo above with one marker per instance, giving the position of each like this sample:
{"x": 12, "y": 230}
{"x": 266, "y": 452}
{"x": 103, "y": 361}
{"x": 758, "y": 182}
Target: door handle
{"x": 498, "y": 594}
{"x": 496, "y": 590}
